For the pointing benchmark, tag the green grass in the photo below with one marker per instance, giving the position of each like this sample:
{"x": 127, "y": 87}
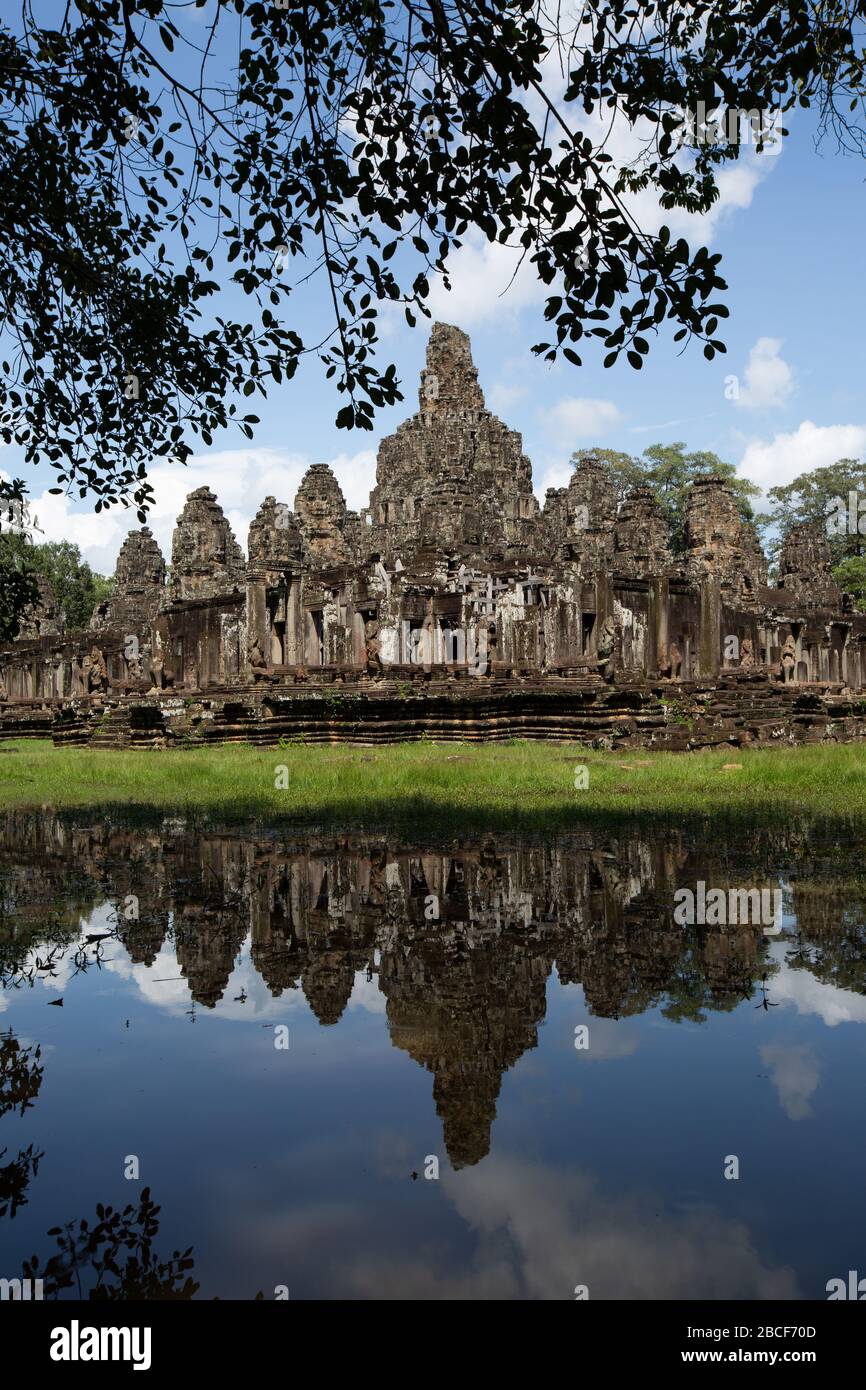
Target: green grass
{"x": 522, "y": 785}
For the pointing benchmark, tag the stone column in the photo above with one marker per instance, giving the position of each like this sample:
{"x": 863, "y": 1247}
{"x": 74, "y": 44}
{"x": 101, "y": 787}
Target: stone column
{"x": 603, "y": 600}
{"x": 258, "y": 625}
{"x": 359, "y": 639}
{"x": 293, "y": 641}
{"x": 709, "y": 620}
{"x": 657, "y": 624}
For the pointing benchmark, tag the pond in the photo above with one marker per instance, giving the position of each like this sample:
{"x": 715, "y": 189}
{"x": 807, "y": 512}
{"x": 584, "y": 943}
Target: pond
{"x": 349, "y": 1065}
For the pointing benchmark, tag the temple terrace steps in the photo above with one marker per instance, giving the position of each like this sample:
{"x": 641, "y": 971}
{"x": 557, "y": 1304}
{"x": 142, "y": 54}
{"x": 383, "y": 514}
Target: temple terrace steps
{"x": 664, "y": 714}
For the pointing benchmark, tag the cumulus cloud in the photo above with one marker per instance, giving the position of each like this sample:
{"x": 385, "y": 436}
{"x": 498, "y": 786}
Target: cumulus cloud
{"x": 480, "y": 273}
{"x": 576, "y": 418}
{"x": 240, "y": 478}
{"x": 832, "y": 1004}
{"x": 367, "y": 995}
{"x": 769, "y": 379}
{"x": 550, "y": 471}
{"x": 491, "y": 282}
{"x": 795, "y": 1074}
{"x": 778, "y": 461}
{"x": 539, "y": 1231}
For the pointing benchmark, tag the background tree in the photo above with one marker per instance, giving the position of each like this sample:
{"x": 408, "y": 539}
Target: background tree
{"x": 626, "y": 472}
{"x": 850, "y": 575}
{"x": 814, "y": 498}
{"x": 810, "y": 498}
{"x": 76, "y": 587}
{"x": 18, "y": 586}
{"x": 670, "y": 472}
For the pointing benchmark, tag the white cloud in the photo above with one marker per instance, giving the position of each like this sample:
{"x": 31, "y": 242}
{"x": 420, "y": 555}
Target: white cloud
{"x": 240, "y": 478}
{"x": 832, "y": 1004}
{"x": 736, "y": 184}
{"x": 769, "y": 379}
{"x": 509, "y": 1228}
{"x": 795, "y": 1073}
{"x": 550, "y": 472}
{"x": 481, "y": 272}
{"x": 656, "y": 429}
{"x": 367, "y": 995}
{"x": 580, "y": 417}
{"x": 504, "y": 396}
{"x": 779, "y": 461}
{"x": 539, "y": 1230}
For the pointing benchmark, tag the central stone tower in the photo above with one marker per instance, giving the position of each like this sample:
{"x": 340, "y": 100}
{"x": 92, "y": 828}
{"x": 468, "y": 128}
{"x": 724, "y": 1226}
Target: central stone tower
{"x": 452, "y": 478}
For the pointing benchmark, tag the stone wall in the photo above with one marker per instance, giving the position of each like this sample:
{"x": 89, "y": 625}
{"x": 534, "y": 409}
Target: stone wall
{"x": 736, "y": 710}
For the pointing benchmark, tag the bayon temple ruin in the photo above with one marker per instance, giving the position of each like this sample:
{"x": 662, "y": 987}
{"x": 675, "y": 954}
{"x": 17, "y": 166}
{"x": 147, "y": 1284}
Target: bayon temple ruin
{"x": 454, "y": 605}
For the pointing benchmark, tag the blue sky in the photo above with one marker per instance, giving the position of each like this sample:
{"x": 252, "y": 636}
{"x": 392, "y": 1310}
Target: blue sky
{"x": 790, "y": 229}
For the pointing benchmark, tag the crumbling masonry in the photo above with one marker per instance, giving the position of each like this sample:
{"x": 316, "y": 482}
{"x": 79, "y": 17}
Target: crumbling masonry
{"x": 453, "y": 606}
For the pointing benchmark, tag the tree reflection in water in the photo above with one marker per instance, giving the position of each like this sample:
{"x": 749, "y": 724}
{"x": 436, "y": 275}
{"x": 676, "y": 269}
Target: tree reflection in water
{"x": 20, "y": 1079}
{"x": 114, "y": 1259}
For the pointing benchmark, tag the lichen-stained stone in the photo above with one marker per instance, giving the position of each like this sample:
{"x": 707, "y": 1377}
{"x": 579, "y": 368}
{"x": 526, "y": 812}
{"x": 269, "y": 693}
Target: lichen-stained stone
{"x": 274, "y": 542}
{"x": 720, "y": 542}
{"x": 206, "y": 560}
{"x": 139, "y": 585}
{"x": 641, "y": 536}
{"x": 453, "y": 478}
{"x": 578, "y": 520}
{"x": 804, "y": 568}
{"x": 322, "y": 515}
{"x": 42, "y": 618}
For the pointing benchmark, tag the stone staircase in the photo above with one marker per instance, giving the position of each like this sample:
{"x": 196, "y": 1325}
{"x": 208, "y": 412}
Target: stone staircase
{"x": 113, "y": 729}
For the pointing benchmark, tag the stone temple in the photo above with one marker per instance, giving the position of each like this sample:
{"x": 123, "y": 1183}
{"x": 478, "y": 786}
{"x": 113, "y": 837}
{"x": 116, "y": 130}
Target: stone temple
{"x": 453, "y": 606}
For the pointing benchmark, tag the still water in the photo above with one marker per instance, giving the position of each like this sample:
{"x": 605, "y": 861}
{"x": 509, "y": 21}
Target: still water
{"x": 350, "y": 1066}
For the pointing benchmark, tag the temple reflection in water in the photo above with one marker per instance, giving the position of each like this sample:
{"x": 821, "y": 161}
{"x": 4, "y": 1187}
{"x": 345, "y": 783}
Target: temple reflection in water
{"x": 460, "y": 938}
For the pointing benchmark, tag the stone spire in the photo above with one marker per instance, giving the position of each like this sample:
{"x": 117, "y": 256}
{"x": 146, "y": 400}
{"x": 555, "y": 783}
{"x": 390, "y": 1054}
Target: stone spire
{"x": 641, "y": 538}
{"x": 322, "y": 515}
{"x": 327, "y": 980}
{"x": 139, "y": 585}
{"x": 43, "y": 617}
{"x": 453, "y": 473}
{"x": 579, "y": 519}
{"x": 450, "y": 379}
{"x": 274, "y": 542}
{"x": 805, "y": 568}
{"x": 591, "y": 486}
{"x": 206, "y": 560}
{"x": 719, "y": 541}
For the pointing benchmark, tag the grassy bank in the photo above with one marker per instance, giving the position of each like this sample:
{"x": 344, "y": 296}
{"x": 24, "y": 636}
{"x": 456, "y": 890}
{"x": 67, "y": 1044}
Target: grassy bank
{"x": 520, "y": 784}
